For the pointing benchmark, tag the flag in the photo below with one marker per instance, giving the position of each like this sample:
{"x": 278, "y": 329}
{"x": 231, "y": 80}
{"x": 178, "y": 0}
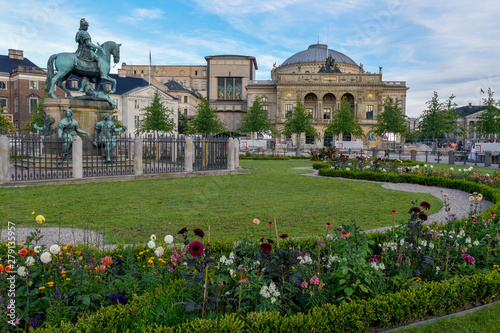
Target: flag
{"x": 482, "y": 91}
{"x": 149, "y": 71}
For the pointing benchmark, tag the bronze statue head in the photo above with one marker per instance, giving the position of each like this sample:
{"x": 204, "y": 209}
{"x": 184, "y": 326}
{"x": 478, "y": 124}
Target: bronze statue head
{"x": 83, "y": 24}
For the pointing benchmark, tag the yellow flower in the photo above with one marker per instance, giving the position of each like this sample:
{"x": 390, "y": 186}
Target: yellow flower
{"x": 40, "y": 219}
{"x": 150, "y": 261}
{"x": 41, "y": 288}
{"x": 65, "y": 248}
{"x": 479, "y": 197}
{"x": 445, "y": 194}
{"x": 80, "y": 258}
{"x": 471, "y": 198}
{"x": 63, "y": 272}
{"x": 33, "y": 213}
{"x": 68, "y": 279}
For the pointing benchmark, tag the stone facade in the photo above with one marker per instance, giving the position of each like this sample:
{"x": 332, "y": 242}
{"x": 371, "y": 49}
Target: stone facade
{"x": 322, "y": 93}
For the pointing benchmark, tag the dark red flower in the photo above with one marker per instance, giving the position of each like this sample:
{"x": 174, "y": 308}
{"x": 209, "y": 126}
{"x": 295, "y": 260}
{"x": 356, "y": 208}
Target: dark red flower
{"x": 195, "y": 248}
{"x": 493, "y": 214}
{"x": 183, "y": 231}
{"x": 415, "y": 210}
{"x": 270, "y": 223}
{"x": 394, "y": 211}
{"x": 328, "y": 224}
{"x": 344, "y": 234}
{"x": 270, "y": 241}
{"x": 266, "y": 248}
{"x": 284, "y": 236}
{"x": 198, "y": 232}
{"x": 425, "y": 205}
{"x": 422, "y": 216}
{"x": 261, "y": 240}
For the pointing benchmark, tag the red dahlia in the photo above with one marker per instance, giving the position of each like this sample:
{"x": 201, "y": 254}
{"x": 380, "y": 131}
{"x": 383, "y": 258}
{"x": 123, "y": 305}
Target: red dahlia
{"x": 266, "y": 248}
{"x": 198, "y": 232}
{"x": 195, "y": 248}
{"x": 425, "y": 205}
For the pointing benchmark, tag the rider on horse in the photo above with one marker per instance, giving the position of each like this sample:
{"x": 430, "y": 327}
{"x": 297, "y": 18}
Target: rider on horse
{"x": 86, "y": 48}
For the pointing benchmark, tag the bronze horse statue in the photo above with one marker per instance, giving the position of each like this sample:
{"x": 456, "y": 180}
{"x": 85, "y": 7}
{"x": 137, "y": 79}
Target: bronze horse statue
{"x": 68, "y": 63}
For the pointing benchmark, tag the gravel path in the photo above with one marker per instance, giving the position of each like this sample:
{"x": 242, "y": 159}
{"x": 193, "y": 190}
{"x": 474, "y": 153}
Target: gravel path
{"x": 459, "y": 205}
{"x": 458, "y": 200}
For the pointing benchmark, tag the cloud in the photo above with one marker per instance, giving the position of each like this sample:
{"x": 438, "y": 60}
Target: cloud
{"x": 139, "y": 15}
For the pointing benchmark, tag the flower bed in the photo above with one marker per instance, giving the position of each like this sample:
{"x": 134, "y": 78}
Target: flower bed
{"x": 344, "y": 275}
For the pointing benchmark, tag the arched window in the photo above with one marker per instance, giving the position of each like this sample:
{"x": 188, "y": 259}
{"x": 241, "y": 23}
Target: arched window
{"x": 328, "y": 106}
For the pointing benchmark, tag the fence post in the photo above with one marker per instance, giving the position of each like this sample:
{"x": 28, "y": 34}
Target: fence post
{"x": 451, "y": 157}
{"x": 413, "y": 155}
{"x": 174, "y": 148}
{"x": 375, "y": 153}
{"x": 4, "y": 159}
{"x": 230, "y": 154}
{"x": 487, "y": 159}
{"x": 189, "y": 154}
{"x": 138, "y": 165}
{"x": 77, "y": 157}
{"x": 236, "y": 147}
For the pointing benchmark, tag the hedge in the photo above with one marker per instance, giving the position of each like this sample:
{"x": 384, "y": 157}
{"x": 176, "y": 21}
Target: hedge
{"x": 380, "y": 312}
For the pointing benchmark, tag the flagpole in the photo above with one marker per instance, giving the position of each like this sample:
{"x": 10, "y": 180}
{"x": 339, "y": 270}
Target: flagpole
{"x": 149, "y": 79}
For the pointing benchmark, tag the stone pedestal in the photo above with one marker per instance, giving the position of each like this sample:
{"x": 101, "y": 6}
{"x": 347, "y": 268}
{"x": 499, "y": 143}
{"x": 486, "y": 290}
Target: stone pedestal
{"x": 86, "y": 112}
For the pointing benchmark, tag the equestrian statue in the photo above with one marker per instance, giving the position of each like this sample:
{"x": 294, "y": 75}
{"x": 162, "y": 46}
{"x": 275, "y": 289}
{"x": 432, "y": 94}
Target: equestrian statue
{"x": 89, "y": 60}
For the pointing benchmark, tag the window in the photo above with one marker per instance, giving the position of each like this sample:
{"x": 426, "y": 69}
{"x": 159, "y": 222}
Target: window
{"x": 3, "y": 103}
{"x": 136, "y": 104}
{"x": 288, "y": 110}
{"x": 15, "y": 105}
{"x": 327, "y": 113}
{"x": 106, "y": 86}
{"x": 184, "y": 83}
{"x": 229, "y": 88}
{"x": 309, "y": 140}
{"x": 369, "y": 112}
{"x": 196, "y": 85}
{"x": 185, "y": 112}
{"x": 195, "y": 73}
{"x": 309, "y": 111}
{"x": 16, "y": 124}
{"x": 203, "y": 73}
{"x": 137, "y": 121}
{"x": 203, "y": 85}
{"x": 33, "y": 84}
{"x": 265, "y": 108}
{"x": 142, "y": 72}
{"x": 15, "y": 84}
{"x": 328, "y": 140}
{"x": 3, "y": 85}
{"x": 33, "y": 103}
{"x": 185, "y": 99}
{"x": 135, "y": 72}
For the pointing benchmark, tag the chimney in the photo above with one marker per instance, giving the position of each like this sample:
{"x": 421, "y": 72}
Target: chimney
{"x": 122, "y": 73}
{"x": 16, "y": 54}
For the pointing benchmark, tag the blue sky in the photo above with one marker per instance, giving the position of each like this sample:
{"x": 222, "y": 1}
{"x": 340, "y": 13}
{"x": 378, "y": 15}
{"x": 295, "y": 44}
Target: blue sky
{"x": 451, "y": 47}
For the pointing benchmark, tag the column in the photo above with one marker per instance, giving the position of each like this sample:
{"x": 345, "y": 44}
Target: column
{"x": 230, "y": 154}
{"x": 138, "y": 165}
{"x": 189, "y": 154}
{"x": 4, "y": 159}
{"x": 77, "y": 157}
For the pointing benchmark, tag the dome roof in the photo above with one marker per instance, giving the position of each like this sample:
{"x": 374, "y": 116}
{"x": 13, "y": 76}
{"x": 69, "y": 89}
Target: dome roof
{"x": 317, "y": 53}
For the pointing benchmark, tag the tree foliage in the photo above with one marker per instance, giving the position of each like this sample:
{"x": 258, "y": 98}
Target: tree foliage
{"x": 299, "y": 122}
{"x": 256, "y": 119}
{"x": 157, "y": 117}
{"x": 182, "y": 126}
{"x": 206, "y": 121}
{"x": 344, "y": 122}
{"x": 392, "y": 119}
{"x": 36, "y": 118}
{"x": 6, "y": 126}
{"x": 489, "y": 121}
{"x": 439, "y": 118}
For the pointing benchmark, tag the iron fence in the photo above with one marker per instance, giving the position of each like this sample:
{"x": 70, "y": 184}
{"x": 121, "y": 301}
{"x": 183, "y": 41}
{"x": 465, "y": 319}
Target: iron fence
{"x": 210, "y": 153}
{"x": 35, "y": 157}
{"x": 108, "y": 157}
{"x": 163, "y": 154}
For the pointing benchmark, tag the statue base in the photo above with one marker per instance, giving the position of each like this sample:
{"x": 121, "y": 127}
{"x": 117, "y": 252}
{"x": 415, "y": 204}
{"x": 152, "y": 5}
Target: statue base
{"x": 86, "y": 112}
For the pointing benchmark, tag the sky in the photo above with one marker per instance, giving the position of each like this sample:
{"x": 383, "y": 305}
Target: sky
{"x": 451, "y": 47}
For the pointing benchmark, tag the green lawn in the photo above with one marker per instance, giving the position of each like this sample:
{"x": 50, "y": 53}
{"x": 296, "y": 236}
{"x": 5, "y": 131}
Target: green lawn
{"x": 131, "y": 211}
{"x": 484, "y": 321}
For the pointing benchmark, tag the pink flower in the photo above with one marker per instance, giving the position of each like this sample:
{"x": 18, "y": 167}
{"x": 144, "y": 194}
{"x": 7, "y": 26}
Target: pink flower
{"x": 256, "y": 221}
{"x": 107, "y": 261}
{"x": 468, "y": 259}
{"x": 102, "y": 268}
{"x": 321, "y": 285}
{"x": 314, "y": 280}
{"x": 304, "y": 285}
{"x": 493, "y": 214}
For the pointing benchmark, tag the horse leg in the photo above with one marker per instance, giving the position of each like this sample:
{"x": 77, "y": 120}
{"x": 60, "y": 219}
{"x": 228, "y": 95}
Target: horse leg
{"x": 105, "y": 75}
{"x": 56, "y": 80}
{"x": 60, "y": 85}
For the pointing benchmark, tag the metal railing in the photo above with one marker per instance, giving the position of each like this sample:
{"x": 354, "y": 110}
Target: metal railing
{"x": 210, "y": 153}
{"x": 163, "y": 154}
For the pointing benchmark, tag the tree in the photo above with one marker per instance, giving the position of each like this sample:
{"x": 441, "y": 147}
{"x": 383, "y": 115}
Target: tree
{"x": 439, "y": 119}
{"x": 255, "y": 120}
{"x": 206, "y": 121}
{"x": 6, "y": 126}
{"x": 344, "y": 122}
{"x": 489, "y": 121}
{"x": 298, "y": 123}
{"x": 157, "y": 117}
{"x": 36, "y": 118}
{"x": 182, "y": 127}
{"x": 391, "y": 120}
